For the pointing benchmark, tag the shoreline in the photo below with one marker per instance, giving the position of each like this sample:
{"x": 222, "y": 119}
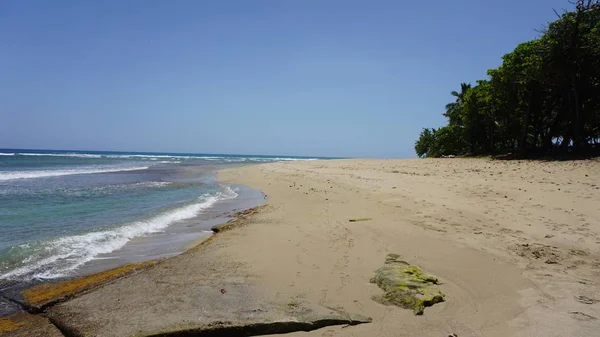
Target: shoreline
{"x": 87, "y": 218}
{"x": 178, "y": 237}
{"x": 31, "y": 302}
{"x": 512, "y": 243}
{"x": 175, "y": 240}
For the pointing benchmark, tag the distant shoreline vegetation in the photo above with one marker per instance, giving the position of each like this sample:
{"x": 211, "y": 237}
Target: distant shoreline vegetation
{"x": 543, "y": 100}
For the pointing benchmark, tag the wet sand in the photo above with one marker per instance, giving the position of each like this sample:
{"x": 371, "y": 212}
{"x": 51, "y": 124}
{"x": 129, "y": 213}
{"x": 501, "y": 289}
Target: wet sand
{"x": 178, "y": 237}
{"x": 173, "y": 241}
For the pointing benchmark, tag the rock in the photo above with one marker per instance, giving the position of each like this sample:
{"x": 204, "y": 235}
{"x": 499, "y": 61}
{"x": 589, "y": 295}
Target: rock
{"x": 26, "y": 325}
{"x": 45, "y": 295}
{"x": 241, "y": 316}
{"x": 9, "y": 325}
{"x": 181, "y": 297}
{"x": 406, "y": 285}
{"x": 237, "y": 219}
{"x": 263, "y": 328}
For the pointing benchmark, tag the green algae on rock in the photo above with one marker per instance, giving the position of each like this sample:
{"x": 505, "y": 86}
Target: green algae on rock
{"x": 23, "y": 324}
{"x": 406, "y": 285}
{"x": 8, "y": 325}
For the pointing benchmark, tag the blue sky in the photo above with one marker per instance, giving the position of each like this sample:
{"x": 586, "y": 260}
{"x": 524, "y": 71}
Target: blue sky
{"x": 295, "y": 77}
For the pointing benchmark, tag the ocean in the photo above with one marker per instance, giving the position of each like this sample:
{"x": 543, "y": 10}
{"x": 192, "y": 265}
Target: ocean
{"x": 67, "y": 213}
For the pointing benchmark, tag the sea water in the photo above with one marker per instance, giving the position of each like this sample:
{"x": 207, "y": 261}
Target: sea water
{"x": 61, "y": 211}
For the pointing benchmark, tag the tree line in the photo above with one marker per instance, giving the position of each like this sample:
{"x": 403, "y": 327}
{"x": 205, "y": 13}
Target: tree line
{"x": 543, "y": 99}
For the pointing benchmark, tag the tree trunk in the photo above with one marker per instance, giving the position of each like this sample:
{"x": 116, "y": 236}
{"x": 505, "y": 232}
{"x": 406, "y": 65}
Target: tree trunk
{"x": 525, "y": 127}
{"x": 578, "y": 143}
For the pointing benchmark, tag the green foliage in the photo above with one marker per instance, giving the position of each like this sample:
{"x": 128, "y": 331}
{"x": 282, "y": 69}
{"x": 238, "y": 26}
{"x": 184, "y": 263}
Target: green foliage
{"x": 449, "y": 140}
{"x": 444, "y": 141}
{"x": 545, "y": 97}
{"x": 425, "y": 142}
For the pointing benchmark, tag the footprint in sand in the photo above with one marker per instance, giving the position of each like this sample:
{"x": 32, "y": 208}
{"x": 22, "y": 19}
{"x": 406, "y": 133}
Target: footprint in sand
{"x": 586, "y": 300}
{"x": 580, "y": 316}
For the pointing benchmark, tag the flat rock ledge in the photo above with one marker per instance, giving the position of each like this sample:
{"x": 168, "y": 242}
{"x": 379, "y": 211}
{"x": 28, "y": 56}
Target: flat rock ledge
{"x": 40, "y": 297}
{"x": 271, "y": 318}
{"x": 27, "y": 325}
{"x": 261, "y": 329}
{"x": 238, "y": 219}
{"x": 202, "y": 292}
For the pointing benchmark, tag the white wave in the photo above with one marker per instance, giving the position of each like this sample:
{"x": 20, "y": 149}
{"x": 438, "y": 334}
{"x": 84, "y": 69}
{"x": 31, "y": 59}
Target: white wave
{"x": 293, "y": 159}
{"x": 227, "y": 159}
{"x": 163, "y": 157}
{"x": 269, "y": 159}
{"x": 6, "y": 175}
{"x": 69, "y": 253}
{"x": 264, "y": 160}
{"x": 113, "y": 188}
{"x": 76, "y": 155}
{"x": 81, "y": 192}
{"x": 150, "y": 184}
{"x": 142, "y": 156}
{"x": 6, "y": 154}
{"x": 150, "y": 156}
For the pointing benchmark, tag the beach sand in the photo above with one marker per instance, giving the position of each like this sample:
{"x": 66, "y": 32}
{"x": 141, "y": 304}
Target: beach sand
{"x": 515, "y": 245}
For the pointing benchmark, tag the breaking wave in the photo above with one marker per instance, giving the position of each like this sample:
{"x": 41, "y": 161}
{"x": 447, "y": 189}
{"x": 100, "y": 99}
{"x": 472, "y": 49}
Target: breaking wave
{"x": 60, "y": 257}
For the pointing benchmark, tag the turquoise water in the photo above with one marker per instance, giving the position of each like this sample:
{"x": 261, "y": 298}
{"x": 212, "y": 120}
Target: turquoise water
{"x": 60, "y": 210}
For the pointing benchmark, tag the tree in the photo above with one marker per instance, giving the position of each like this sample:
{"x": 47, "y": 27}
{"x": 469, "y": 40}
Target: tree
{"x": 448, "y": 141}
{"x": 544, "y": 97}
{"x": 453, "y": 108}
{"x": 425, "y": 143}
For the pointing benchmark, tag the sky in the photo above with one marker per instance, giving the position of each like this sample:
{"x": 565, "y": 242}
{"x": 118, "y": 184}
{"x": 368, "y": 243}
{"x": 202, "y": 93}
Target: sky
{"x": 337, "y": 78}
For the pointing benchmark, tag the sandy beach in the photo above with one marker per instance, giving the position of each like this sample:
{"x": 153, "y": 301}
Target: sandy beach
{"x": 515, "y": 245}
{"x": 234, "y": 169}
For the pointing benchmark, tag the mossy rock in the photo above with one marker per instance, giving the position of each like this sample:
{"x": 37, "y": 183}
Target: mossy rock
{"x": 47, "y": 294}
{"x": 406, "y": 285}
{"x": 8, "y": 325}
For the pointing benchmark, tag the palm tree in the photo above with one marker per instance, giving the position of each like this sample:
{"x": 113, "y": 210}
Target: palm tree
{"x": 453, "y": 108}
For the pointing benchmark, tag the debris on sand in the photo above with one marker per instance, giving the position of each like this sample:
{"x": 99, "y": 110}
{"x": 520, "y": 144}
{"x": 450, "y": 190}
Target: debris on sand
{"x": 360, "y": 219}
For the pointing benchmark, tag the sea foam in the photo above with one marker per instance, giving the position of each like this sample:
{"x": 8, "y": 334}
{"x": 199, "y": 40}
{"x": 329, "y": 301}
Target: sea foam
{"x": 60, "y": 257}
{"x": 11, "y": 175}
{"x": 236, "y": 158}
